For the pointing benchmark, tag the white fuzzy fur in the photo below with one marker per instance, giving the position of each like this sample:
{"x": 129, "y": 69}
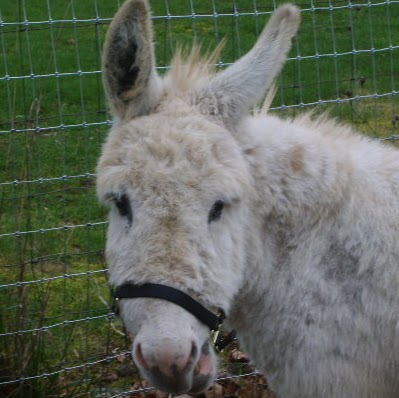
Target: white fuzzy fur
{"x": 305, "y": 259}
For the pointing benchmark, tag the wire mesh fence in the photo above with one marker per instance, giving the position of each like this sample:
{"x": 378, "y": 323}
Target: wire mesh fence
{"x": 58, "y": 336}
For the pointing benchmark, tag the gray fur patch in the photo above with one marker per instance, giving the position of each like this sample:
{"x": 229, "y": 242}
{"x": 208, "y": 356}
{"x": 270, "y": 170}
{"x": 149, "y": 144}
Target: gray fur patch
{"x": 341, "y": 264}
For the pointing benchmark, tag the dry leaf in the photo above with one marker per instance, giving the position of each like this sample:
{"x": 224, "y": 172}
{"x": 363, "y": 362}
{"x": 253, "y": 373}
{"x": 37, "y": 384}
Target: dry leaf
{"x": 238, "y": 356}
{"x": 121, "y": 358}
{"x": 215, "y": 392}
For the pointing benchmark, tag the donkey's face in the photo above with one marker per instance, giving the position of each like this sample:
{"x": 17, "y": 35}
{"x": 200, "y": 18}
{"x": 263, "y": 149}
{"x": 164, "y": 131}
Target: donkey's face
{"x": 178, "y": 187}
{"x": 180, "y": 191}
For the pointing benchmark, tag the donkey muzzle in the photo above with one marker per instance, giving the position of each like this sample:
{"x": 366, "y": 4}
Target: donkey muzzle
{"x": 174, "y": 366}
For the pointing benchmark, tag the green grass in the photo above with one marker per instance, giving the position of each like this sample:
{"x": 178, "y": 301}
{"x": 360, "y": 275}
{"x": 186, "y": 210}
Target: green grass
{"x": 53, "y": 122}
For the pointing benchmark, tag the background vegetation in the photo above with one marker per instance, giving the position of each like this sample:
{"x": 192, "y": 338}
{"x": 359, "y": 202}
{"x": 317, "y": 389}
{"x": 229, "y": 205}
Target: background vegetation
{"x": 57, "y": 336}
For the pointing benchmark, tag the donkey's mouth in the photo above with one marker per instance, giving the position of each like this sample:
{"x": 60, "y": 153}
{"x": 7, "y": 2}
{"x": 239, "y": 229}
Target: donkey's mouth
{"x": 180, "y": 384}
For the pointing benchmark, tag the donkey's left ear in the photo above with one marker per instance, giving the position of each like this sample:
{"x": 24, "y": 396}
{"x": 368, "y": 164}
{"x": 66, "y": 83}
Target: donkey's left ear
{"x": 130, "y": 78}
{"x": 231, "y": 93}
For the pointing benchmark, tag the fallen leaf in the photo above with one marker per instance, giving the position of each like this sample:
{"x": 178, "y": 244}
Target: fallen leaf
{"x": 121, "y": 358}
{"x": 215, "y": 392}
{"x": 238, "y": 356}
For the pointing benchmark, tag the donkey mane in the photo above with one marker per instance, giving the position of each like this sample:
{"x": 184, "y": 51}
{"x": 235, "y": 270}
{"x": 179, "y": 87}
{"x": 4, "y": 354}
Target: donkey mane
{"x": 190, "y": 67}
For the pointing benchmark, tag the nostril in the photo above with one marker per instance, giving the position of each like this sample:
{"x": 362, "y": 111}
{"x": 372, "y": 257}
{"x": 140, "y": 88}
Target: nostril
{"x": 139, "y": 357}
{"x": 204, "y": 365}
{"x": 193, "y": 354}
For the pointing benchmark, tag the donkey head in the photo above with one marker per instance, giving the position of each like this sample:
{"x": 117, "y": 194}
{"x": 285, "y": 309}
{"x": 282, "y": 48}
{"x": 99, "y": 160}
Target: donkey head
{"x": 179, "y": 188}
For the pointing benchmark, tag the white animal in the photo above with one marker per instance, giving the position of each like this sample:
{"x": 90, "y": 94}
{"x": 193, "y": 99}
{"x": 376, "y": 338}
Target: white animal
{"x": 289, "y": 226}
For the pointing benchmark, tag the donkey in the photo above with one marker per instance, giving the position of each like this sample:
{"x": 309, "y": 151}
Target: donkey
{"x": 288, "y": 227}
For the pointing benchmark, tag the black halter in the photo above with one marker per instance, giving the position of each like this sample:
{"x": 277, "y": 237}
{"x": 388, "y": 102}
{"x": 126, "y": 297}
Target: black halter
{"x": 154, "y": 290}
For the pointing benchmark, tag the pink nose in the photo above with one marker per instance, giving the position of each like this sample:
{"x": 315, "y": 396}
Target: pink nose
{"x": 169, "y": 360}
{"x": 168, "y": 366}
{"x": 175, "y": 365}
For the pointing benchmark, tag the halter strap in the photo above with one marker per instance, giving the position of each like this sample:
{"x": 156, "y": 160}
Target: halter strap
{"x": 154, "y": 290}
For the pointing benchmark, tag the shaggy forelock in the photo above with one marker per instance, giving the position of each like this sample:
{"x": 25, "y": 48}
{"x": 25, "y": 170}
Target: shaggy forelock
{"x": 191, "y": 69}
{"x": 188, "y": 149}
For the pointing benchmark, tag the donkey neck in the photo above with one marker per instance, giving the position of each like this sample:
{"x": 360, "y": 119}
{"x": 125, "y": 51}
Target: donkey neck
{"x": 302, "y": 182}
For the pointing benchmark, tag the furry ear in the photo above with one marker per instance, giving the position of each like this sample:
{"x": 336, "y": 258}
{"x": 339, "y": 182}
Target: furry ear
{"x": 130, "y": 78}
{"x": 231, "y": 93}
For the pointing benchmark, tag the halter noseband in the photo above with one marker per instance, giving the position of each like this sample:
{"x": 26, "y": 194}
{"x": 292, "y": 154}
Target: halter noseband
{"x": 154, "y": 290}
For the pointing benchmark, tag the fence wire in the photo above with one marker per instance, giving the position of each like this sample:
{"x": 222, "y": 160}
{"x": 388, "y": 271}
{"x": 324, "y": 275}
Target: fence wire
{"x": 58, "y": 336}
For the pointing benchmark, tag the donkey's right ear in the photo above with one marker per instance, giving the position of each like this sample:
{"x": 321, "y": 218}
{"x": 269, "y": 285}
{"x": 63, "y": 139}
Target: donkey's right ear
{"x": 130, "y": 79}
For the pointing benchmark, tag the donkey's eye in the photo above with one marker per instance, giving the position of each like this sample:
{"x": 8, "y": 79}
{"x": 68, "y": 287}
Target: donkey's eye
{"x": 216, "y": 211}
{"x": 124, "y": 208}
